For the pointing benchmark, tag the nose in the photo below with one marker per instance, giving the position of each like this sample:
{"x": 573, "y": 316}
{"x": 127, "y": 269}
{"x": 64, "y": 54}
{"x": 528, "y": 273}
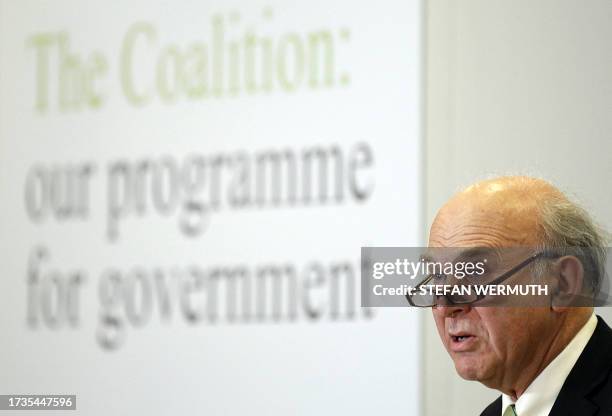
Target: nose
{"x": 448, "y": 309}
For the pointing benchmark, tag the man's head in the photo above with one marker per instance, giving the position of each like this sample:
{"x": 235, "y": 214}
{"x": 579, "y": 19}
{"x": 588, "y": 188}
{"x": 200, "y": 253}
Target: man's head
{"x": 506, "y": 348}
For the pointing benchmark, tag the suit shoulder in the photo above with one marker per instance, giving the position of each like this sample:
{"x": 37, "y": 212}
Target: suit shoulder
{"x": 494, "y": 409}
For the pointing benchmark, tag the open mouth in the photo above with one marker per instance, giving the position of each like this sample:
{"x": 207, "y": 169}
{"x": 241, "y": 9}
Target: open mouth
{"x": 460, "y": 338}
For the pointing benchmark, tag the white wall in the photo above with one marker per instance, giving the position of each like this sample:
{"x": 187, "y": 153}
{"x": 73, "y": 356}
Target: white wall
{"x": 514, "y": 86}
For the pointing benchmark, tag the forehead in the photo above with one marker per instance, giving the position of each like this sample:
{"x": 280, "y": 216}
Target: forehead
{"x": 474, "y": 221}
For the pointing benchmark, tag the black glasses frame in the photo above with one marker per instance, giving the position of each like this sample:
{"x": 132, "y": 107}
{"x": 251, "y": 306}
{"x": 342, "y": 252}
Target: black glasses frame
{"x": 506, "y": 275}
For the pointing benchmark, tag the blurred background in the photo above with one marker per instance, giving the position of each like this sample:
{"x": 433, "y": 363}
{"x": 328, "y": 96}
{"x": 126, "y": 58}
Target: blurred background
{"x": 186, "y": 188}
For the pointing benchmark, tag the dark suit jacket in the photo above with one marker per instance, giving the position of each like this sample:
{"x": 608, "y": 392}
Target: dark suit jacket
{"x": 587, "y": 390}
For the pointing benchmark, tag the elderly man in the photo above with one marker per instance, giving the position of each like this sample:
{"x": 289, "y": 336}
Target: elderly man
{"x": 545, "y": 360}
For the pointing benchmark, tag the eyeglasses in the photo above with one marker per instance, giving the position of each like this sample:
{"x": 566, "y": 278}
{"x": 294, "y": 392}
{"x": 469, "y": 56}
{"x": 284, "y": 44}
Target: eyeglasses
{"x": 427, "y": 299}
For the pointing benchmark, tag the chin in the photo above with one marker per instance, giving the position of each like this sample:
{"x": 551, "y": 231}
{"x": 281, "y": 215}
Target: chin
{"x": 468, "y": 369}
{"x": 470, "y": 374}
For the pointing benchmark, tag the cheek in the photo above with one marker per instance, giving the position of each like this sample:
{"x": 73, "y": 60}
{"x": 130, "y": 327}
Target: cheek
{"x": 509, "y": 345}
{"x": 489, "y": 348}
{"x": 496, "y": 344}
{"x": 505, "y": 333}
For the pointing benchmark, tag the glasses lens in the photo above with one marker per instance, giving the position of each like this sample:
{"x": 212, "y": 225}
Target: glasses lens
{"x": 422, "y": 299}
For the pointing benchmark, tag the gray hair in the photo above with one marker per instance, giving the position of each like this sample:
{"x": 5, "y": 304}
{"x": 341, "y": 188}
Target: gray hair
{"x": 568, "y": 230}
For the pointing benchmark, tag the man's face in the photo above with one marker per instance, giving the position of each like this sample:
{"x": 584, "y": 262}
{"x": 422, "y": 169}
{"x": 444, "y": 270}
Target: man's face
{"x": 488, "y": 343}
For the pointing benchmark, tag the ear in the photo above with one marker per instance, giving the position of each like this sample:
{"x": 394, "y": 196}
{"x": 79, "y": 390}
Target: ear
{"x": 568, "y": 282}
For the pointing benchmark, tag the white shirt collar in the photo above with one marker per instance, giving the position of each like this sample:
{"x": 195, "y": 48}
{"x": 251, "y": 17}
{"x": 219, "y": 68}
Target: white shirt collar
{"x": 541, "y": 394}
